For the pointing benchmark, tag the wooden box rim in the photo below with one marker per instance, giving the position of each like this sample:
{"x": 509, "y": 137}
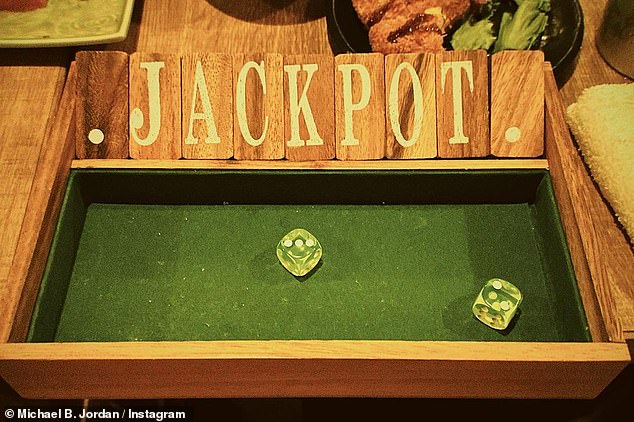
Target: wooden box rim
{"x": 301, "y": 368}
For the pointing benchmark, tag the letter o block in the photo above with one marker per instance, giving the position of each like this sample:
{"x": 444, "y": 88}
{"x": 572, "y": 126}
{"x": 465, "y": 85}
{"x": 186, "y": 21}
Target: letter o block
{"x": 410, "y": 85}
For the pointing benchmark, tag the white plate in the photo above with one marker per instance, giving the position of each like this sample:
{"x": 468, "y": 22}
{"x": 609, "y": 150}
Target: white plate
{"x": 67, "y": 22}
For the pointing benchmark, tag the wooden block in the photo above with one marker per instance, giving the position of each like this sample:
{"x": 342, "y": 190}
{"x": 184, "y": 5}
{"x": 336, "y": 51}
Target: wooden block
{"x": 101, "y": 119}
{"x": 410, "y": 104}
{"x": 462, "y": 102}
{"x": 360, "y": 106}
{"x": 207, "y": 86}
{"x": 155, "y": 106}
{"x": 259, "y": 115}
{"x": 517, "y": 104}
{"x": 309, "y": 107}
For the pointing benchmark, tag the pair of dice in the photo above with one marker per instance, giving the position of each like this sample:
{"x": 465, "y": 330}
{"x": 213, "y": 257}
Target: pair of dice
{"x": 496, "y": 304}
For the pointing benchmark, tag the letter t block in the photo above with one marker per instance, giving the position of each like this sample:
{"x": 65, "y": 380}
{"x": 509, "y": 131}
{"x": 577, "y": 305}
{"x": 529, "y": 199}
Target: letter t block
{"x": 462, "y": 103}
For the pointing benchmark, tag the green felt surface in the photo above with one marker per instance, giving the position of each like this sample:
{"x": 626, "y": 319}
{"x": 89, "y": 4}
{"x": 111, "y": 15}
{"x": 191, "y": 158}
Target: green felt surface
{"x": 209, "y": 271}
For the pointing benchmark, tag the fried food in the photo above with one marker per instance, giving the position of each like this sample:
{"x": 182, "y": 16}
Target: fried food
{"x": 398, "y": 26}
{"x": 22, "y": 5}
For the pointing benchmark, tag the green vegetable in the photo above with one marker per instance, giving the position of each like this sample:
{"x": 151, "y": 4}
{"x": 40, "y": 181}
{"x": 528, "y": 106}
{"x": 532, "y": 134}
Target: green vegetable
{"x": 473, "y": 36}
{"x": 520, "y": 30}
{"x": 477, "y": 31}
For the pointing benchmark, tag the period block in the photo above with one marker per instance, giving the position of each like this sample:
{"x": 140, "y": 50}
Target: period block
{"x": 360, "y": 106}
{"x": 309, "y": 107}
{"x": 517, "y": 104}
{"x": 101, "y": 108}
{"x": 259, "y": 110}
{"x": 207, "y": 112}
{"x": 462, "y": 102}
{"x": 410, "y": 104}
{"x": 155, "y": 106}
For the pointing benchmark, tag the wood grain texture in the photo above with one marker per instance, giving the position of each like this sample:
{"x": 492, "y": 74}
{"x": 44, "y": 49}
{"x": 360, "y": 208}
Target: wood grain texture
{"x": 517, "y": 104}
{"x": 207, "y": 106}
{"x": 257, "y": 115}
{"x": 609, "y": 256}
{"x": 309, "y": 134}
{"x": 473, "y": 164}
{"x": 553, "y": 128}
{"x": 589, "y": 68}
{"x": 463, "y": 120}
{"x": 102, "y": 104}
{"x": 40, "y": 218}
{"x": 29, "y": 98}
{"x": 410, "y": 106}
{"x": 154, "y": 134}
{"x": 360, "y": 106}
{"x": 192, "y": 26}
{"x": 310, "y": 368}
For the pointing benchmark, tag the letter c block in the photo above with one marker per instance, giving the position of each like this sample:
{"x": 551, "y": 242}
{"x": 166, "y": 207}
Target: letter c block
{"x": 258, "y": 102}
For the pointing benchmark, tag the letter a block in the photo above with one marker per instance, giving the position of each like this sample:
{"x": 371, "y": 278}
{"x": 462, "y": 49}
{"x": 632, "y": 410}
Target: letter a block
{"x": 410, "y": 104}
{"x": 462, "y": 102}
{"x": 517, "y": 104}
{"x": 101, "y": 113}
{"x": 207, "y": 98}
{"x": 259, "y": 113}
{"x": 155, "y": 106}
{"x": 360, "y": 106}
{"x": 309, "y": 107}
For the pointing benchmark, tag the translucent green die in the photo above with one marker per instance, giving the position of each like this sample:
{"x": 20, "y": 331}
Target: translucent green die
{"x": 299, "y": 252}
{"x": 497, "y": 303}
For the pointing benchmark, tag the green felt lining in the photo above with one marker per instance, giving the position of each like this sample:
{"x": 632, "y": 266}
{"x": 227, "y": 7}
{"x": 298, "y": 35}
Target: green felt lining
{"x": 190, "y": 255}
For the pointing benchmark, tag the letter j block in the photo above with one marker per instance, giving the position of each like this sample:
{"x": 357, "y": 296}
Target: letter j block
{"x": 155, "y": 106}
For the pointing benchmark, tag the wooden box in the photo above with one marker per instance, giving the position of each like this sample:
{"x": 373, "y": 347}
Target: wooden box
{"x": 189, "y": 301}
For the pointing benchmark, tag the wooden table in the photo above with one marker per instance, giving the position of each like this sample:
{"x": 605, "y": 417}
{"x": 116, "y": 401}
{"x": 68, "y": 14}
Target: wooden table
{"x": 31, "y": 83}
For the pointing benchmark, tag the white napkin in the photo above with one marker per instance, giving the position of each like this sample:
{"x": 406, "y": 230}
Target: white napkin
{"x": 602, "y": 121}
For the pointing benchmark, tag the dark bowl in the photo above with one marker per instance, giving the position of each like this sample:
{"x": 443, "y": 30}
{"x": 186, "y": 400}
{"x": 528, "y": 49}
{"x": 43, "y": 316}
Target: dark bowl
{"x": 561, "y": 44}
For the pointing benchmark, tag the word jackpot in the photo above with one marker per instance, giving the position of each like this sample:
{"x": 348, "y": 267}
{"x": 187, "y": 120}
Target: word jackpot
{"x": 309, "y": 107}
